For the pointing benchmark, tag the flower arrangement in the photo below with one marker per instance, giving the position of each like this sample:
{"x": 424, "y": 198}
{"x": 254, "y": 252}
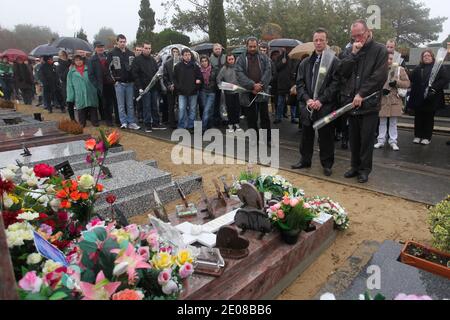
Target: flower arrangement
{"x": 291, "y": 214}
{"x": 70, "y": 126}
{"x": 109, "y": 263}
{"x": 326, "y": 205}
{"x": 439, "y": 221}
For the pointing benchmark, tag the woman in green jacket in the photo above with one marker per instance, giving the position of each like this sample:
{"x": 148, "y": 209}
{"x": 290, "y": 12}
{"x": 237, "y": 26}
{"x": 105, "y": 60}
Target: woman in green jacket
{"x": 81, "y": 93}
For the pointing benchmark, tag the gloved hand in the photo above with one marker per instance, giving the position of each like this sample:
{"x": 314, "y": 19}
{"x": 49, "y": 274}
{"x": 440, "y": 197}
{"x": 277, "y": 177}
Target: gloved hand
{"x": 431, "y": 92}
{"x": 141, "y": 91}
{"x": 393, "y": 84}
{"x": 386, "y": 92}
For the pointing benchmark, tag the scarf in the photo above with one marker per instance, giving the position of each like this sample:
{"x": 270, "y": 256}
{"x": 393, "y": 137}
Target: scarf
{"x": 80, "y": 70}
{"x": 206, "y": 74}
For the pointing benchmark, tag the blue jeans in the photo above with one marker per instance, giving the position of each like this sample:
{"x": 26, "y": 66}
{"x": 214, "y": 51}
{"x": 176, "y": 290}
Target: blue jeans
{"x": 207, "y": 100}
{"x": 150, "y": 106}
{"x": 186, "y": 118}
{"x": 125, "y": 95}
{"x": 281, "y": 104}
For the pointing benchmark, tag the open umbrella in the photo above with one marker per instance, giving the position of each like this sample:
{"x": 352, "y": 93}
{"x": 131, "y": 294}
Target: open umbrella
{"x": 44, "y": 50}
{"x": 301, "y": 50}
{"x": 204, "y": 48}
{"x": 13, "y": 54}
{"x": 72, "y": 44}
{"x": 238, "y": 51}
{"x": 284, "y": 43}
{"x": 165, "y": 52}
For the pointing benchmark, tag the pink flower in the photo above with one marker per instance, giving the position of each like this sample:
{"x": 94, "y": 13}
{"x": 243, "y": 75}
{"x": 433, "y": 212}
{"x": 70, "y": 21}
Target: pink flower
{"x": 170, "y": 288}
{"x": 95, "y": 223}
{"x": 31, "y": 282}
{"x": 133, "y": 230}
{"x": 101, "y": 290}
{"x": 186, "y": 271}
{"x": 280, "y": 214}
{"x": 294, "y": 202}
{"x": 134, "y": 261}
{"x": 403, "y": 296}
{"x": 164, "y": 277}
{"x": 153, "y": 240}
{"x": 166, "y": 250}
{"x": 100, "y": 147}
{"x": 286, "y": 201}
{"x": 144, "y": 252}
{"x": 48, "y": 230}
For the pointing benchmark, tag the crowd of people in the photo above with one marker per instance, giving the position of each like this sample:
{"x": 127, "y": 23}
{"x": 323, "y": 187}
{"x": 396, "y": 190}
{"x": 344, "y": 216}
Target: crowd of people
{"x": 105, "y": 87}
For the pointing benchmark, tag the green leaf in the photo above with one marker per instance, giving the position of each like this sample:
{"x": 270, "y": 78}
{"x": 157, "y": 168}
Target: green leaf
{"x": 58, "y": 296}
{"x": 24, "y": 271}
{"x": 88, "y": 247}
{"x": 88, "y": 276}
{"x": 100, "y": 233}
{"x": 90, "y": 236}
{"x": 35, "y": 296}
{"x": 379, "y": 297}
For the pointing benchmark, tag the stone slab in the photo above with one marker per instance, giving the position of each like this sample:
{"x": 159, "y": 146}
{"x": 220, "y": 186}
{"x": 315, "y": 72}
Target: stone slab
{"x": 33, "y": 124}
{"x": 112, "y": 158}
{"x": 397, "y": 277}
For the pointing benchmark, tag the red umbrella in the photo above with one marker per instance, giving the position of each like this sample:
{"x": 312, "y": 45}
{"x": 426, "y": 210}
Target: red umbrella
{"x": 13, "y": 54}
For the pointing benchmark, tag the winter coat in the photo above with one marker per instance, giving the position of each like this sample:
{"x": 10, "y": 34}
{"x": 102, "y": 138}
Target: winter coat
{"x": 120, "y": 64}
{"x": 364, "y": 73}
{"x": 392, "y": 104}
{"x": 227, "y": 74}
{"x": 245, "y": 82}
{"x": 97, "y": 74}
{"x": 185, "y": 77}
{"x": 212, "y": 85}
{"x": 169, "y": 69}
{"x": 80, "y": 89}
{"x": 48, "y": 76}
{"x": 420, "y": 78}
{"x": 23, "y": 76}
{"x": 62, "y": 70}
{"x": 327, "y": 93}
{"x": 143, "y": 70}
{"x": 217, "y": 62}
{"x": 286, "y": 74}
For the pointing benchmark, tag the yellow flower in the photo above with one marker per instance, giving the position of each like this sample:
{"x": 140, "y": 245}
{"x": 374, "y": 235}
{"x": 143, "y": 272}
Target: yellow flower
{"x": 121, "y": 235}
{"x": 183, "y": 257}
{"x": 162, "y": 261}
{"x": 50, "y": 266}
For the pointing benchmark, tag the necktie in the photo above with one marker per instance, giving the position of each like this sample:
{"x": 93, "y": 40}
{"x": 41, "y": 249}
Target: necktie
{"x": 315, "y": 72}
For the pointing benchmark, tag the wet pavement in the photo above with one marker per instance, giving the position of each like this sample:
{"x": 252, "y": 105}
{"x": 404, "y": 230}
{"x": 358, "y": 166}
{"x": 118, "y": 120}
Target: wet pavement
{"x": 418, "y": 173}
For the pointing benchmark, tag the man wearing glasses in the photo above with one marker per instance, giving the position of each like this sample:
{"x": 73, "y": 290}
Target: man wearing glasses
{"x": 364, "y": 71}
{"x": 314, "y": 108}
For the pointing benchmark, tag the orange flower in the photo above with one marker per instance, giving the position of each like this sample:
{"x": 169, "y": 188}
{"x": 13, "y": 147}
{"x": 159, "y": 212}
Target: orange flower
{"x": 74, "y": 186}
{"x": 75, "y": 196}
{"x": 84, "y": 195}
{"x": 55, "y": 237}
{"x": 99, "y": 188}
{"x": 65, "y": 204}
{"x": 90, "y": 144}
{"x": 128, "y": 295}
{"x": 113, "y": 138}
{"x": 62, "y": 194}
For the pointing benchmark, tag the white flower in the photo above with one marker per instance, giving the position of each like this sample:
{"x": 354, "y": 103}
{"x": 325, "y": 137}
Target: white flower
{"x": 28, "y": 216}
{"x": 55, "y": 204}
{"x": 27, "y": 171}
{"x": 34, "y": 258}
{"x": 328, "y": 296}
{"x": 7, "y": 201}
{"x": 13, "y": 168}
{"x": 87, "y": 182}
{"x": 50, "y": 266}
{"x": 323, "y": 70}
{"x": 7, "y": 174}
{"x": 120, "y": 269}
{"x": 170, "y": 288}
{"x": 32, "y": 181}
{"x": 17, "y": 233}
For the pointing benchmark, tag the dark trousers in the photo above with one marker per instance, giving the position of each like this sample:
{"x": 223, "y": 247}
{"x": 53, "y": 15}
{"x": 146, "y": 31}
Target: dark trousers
{"x": 362, "y": 131}
{"x": 217, "y": 118}
{"x": 171, "y": 101}
{"x": 27, "y": 95}
{"x": 260, "y": 109}
{"x": 51, "y": 95}
{"x": 233, "y": 108}
{"x": 326, "y": 144}
{"x": 424, "y": 124}
{"x": 150, "y": 104}
{"x": 83, "y": 114}
{"x": 107, "y": 103}
{"x": 342, "y": 126}
{"x": 163, "y": 107}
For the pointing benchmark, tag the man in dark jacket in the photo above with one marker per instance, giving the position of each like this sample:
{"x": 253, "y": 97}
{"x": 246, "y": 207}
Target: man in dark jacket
{"x": 313, "y": 108}
{"x": 49, "y": 79}
{"x": 101, "y": 78}
{"x": 62, "y": 70}
{"x": 144, "y": 69}
{"x": 169, "y": 67}
{"x": 218, "y": 60}
{"x": 187, "y": 80}
{"x": 120, "y": 61}
{"x": 254, "y": 72}
{"x": 24, "y": 80}
{"x": 364, "y": 71}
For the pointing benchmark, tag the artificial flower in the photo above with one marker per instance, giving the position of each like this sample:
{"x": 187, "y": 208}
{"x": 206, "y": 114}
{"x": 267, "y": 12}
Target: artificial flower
{"x": 31, "y": 282}
{"x": 164, "y": 277}
{"x": 183, "y": 257}
{"x": 50, "y": 266}
{"x": 90, "y": 144}
{"x": 6, "y": 186}
{"x": 86, "y": 182}
{"x": 7, "y": 174}
{"x": 134, "y": 260}
{"x": 128, "y": 294}
{"x": 162, "y": 260}
{"x": 95, "y": 223}
{"x": 34, "y": 258}
{"x": 170, "y": 288}
{"x": 28, "y": 216}
{"x": 111, "y": 199}
{"x": 44, "y": 170}
{"x": 403, "y": 296}
{"x": 186, "y": 271}
{"x": 101, "y": 290}
{"x": 113, "y": 138}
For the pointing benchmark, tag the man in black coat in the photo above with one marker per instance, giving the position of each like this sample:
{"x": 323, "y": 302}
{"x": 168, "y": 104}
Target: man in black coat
{"x": 24, "y": 80}
{"x": 50, "y": 79}
{"x": 168, "y": 77}
{"x": 101, "y": 78}
{"x": 364, "y": 71}
{"x": 314, "y": 108}
{"x": 144, "y": 69}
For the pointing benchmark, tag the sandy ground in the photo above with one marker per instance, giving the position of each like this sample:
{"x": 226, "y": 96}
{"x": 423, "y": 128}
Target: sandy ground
{"x": 373, "y": 216}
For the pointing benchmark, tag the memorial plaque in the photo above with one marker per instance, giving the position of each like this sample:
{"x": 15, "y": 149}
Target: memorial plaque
{"x": 65, "y": 169}
{"x": 231, "y": 244}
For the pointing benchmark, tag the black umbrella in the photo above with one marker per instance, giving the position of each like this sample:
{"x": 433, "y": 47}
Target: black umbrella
{"x": 44, "y": 50}
{"x": 204, "y": 47}
{"x": 284, "y": 43}
{"x": 72, "y": 44}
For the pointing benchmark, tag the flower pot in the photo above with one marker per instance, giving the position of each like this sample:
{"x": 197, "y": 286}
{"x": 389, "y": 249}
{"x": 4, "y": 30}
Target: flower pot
{"x": 421, "y": 262}
{"x": 290, "y": 236}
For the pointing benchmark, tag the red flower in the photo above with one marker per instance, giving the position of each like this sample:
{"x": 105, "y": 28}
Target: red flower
{"x": 63, "y": 216}
{"x": 111, "y": 199}
{"x": 10, "y": 217}
{"x": 99, "y": 188}
{"x": 44, "y": 170}
{"x": 62, "y": 244}
{"x": 6, "y": 186}
{"x": 90, "y": 144}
